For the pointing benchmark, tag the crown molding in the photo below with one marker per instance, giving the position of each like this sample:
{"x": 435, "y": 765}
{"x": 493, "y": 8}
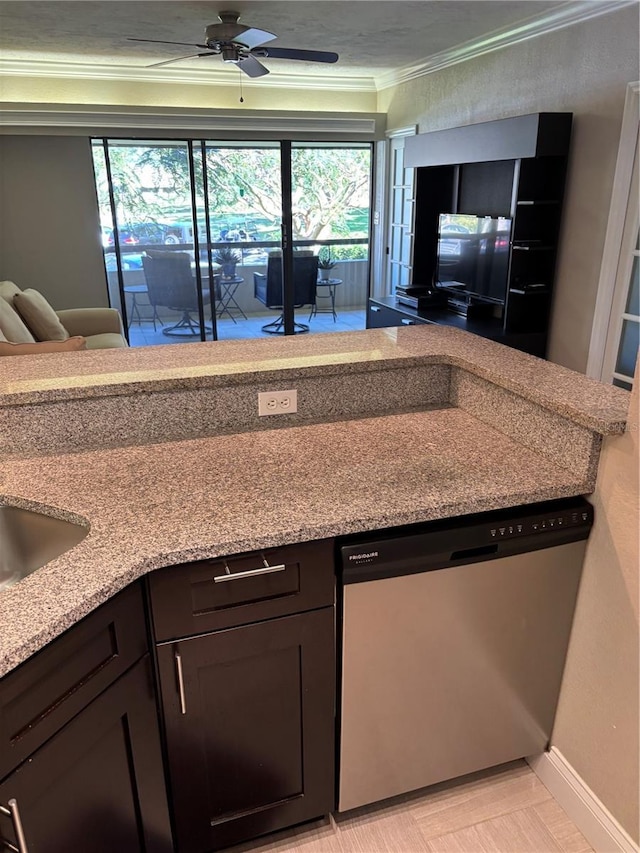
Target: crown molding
{"x": 565, "y": 15}
{"x": 64, "y": 115}
{"x": 181, "y": 76}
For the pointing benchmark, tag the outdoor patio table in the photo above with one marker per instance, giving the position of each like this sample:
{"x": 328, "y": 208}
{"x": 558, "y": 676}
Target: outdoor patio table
{"x": 331, "y": 284}
{"x": 227, "y": 302}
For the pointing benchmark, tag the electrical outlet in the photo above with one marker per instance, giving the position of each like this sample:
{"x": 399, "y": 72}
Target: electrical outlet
{"x": 277, "y": 402}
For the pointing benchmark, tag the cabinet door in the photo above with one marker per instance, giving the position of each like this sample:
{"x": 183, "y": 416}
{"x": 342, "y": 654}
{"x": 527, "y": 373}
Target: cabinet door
{"x": 249, "y": 715}
{"x": 97, "y": 786}
{"x": 51, "y": 688}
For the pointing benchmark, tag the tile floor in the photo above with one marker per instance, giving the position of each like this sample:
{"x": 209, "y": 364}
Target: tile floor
{"x": 348, "y": 320}
{"x": 503, "y": 810}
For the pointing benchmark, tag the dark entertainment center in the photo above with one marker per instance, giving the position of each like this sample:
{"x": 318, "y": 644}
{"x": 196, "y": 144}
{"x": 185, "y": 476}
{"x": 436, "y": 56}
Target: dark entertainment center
{"x": 488, "y": 204}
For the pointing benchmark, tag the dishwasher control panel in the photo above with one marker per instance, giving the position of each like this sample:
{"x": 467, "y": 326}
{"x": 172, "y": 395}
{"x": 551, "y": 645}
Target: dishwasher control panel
{"x": 543, "y": 524}
{"x": 462, "y": 539}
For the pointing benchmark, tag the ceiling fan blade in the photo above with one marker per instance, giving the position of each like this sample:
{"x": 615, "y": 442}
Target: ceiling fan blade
{"x": 252, "y": 67}
{"x": 292, "y": 53}
{"x": 229, "y": 31}
{"x": 252, "y": 37}
{"x": 185, "y": 43}
{"x": 178, "y": 58}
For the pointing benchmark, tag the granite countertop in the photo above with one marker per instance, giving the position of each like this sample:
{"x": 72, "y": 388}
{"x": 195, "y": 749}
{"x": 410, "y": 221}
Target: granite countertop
{"x": 153, "y": 505}
{"x": 101, "y": 373}
{"x": 162, "y": 504}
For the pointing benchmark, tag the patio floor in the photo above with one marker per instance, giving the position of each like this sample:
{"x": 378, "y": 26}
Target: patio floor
{"x": 348, "y": 320}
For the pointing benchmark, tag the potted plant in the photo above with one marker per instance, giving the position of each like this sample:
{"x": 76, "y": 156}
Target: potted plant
{"x": 227, "y": 258}
{"x": 325, "y": 263}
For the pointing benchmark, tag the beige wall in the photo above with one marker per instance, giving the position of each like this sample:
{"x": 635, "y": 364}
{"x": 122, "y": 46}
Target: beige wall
{"x": 49, "y": 225}
{"x": 597, "y": 722}
{"x": 584, "y": 70}
{"x": 257, "y": 95}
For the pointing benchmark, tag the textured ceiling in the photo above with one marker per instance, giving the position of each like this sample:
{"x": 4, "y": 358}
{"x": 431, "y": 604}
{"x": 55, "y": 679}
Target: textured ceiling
{"x": 371, "y": 38}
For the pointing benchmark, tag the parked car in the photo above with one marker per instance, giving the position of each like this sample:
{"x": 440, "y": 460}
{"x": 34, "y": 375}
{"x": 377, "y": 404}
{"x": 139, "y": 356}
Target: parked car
{"x": 142, "y": 232}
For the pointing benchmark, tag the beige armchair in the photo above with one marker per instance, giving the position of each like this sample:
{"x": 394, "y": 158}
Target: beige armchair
{"x": 102, "y": 327}
{"x": 29, "y": 319}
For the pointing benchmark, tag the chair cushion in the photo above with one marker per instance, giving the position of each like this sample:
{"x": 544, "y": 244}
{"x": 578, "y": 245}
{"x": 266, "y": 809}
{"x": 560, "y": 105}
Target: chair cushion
{"x": 12, "y": 326}
{"x": 105, "y": 341}
{"x": 41, "y": 347}
{"x": 39, "y": 316}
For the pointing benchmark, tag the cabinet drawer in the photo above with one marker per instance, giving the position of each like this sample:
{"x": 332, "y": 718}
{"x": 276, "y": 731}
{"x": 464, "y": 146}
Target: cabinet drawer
{"x": 382, "y": 317}
{"x": 225, "y": 592}
{"x": 45, "y": 692}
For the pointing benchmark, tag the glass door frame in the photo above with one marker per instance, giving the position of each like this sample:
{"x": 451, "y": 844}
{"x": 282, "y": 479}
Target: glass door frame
{"x": 287, "y": 241}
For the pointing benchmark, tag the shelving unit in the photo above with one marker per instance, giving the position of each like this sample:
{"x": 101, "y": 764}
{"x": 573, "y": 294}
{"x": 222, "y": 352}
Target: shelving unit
{"x": 513, "y": 168}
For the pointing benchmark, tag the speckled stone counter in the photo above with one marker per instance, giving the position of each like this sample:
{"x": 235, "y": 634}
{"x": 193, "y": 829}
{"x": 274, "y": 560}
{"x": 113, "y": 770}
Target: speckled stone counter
{"x": 117, "y": 372}
{"x": 501, "y": 429}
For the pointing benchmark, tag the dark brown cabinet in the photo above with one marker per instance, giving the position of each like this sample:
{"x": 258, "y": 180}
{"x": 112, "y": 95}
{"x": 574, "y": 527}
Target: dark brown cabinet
{"x": 97, "y": 786}
{"x": 80, "y": 740}
{"x": 249, "y": 706}
{"x": 381, "y": 315}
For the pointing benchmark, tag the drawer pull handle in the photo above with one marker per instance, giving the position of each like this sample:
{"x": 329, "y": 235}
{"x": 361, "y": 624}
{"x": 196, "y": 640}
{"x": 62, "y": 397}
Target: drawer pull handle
{"x": 183, "y": 698}
{"x": 408, "y": 322}
{"x": 374, "y": 309}
{"x": 264, "y": 570}
{"x": 14, "y": 813}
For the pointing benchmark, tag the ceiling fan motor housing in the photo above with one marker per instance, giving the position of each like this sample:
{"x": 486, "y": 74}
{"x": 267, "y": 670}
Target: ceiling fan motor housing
{"x": 217, "y": 34}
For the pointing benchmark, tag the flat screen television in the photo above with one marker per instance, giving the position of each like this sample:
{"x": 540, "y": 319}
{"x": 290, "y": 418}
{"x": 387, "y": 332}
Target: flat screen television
{"x": 473, "y": 255}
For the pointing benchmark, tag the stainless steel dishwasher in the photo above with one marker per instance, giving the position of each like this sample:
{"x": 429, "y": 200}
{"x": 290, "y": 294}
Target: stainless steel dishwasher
{"x": 453, "y": 644}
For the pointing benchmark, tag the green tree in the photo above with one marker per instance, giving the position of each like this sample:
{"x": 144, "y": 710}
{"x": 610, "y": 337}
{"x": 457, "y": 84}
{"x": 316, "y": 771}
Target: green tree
{"x": 150, "y": 181}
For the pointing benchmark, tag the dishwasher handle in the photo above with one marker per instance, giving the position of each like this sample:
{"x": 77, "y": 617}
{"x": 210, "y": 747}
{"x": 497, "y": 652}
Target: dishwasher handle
{"x": 468, "y": 553}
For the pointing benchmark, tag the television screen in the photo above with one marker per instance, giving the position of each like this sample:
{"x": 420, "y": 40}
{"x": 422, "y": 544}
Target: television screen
{"x": 473, "y": 255}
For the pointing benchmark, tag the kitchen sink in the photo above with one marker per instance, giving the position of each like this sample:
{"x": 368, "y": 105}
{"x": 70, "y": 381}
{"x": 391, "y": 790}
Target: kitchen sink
{"x": 29, "y": 540}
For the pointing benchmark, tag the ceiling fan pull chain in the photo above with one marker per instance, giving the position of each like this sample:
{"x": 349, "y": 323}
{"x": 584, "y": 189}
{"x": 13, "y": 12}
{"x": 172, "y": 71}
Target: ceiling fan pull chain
{"x": 241, "y": 98}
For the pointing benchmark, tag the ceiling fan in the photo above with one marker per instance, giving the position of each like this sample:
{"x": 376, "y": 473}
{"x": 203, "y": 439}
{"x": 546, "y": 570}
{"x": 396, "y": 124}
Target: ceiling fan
{"x": 241, "y": 45}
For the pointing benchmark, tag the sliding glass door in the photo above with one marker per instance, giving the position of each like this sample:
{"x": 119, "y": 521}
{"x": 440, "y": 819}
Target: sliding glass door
{"x": 192, "y": 237}
{"x": 244, "y": 201}
{"x": 330, "y": 211}
{"x": 149, "y": 195}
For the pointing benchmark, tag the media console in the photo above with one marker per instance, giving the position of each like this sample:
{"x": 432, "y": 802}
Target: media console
{"x": 511, "y": 168}
{"x": 386, "y": 311}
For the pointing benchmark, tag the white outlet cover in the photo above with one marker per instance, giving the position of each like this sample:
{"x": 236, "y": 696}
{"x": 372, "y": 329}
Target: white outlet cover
{"x": 277, "y": 402}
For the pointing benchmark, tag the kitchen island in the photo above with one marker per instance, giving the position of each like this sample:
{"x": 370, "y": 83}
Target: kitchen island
{"x": 161, "y": 454}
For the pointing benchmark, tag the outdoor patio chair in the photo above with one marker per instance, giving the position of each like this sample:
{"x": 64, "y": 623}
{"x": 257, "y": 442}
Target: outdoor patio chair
{"x": 268, "y": 289}
{"x": 171, "y": 284}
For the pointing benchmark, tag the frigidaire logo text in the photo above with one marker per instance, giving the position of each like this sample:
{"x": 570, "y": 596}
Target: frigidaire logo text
{"x": 368, "y": 556}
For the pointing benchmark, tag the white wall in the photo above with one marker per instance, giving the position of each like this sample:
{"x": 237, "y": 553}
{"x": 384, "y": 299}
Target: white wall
{"x": 583, "y": 69}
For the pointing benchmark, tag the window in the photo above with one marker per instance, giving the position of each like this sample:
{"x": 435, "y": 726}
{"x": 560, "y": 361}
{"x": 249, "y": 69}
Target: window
{"x": 204, "y": 217}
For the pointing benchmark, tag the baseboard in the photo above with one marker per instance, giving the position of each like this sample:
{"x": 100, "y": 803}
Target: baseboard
{"x": 591, "y": 816}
